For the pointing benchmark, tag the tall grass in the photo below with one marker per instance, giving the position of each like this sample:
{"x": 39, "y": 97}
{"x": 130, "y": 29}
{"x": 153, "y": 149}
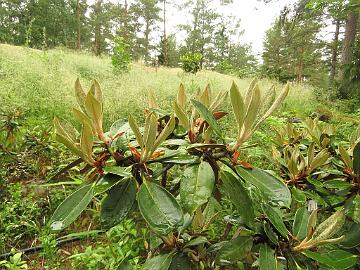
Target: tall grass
{"x": 41, "y": 84}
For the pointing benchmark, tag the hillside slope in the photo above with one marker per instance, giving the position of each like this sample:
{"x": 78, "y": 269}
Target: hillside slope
{"x": 41, "y": 83}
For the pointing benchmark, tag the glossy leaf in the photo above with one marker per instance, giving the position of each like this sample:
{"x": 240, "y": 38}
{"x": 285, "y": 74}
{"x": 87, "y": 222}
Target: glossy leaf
{"x": 252, "y": 109}
{"x": 272, "y": 189}
{"x": 237, "y": 104}
{"x": 300, "y": 223}
{"x": 267, "y": 259}
{"x": 66, "y": 137}
{"x": 352, "y": 236}
{"x": 336, "y": 259}
{"x": 356, "y": 159}
{"x": 159, "y": 262}
{"x": 118, "y": 203}
{"x": 181, "y": 115}
{"x": 311, "y": 224}
{"x": 298, "y": 195}
{"x": 149, "y": 137}
{"x": 95, "y": 89}
{"x": 205, "y": 96}
{"x": 276, "y": 103}
{"x": 330, "y": 226}
{"x": 152, "y": 101}
{"x": 196, "y": 186}
{"x": 181, "y": 96}
{"x": 159, "y": 208}
{"x": 218, "y": 100}
{"x": 320, "y": 159}
{"x": 345, "y": 156}
{"x": 234, "y": 250}
{"x": 208, "y": 116}
{"x": 275, "y": 220}
{"x": 106, "y": 182}
{"x": 197, "y": 241}
{"x": 135, "y": 128}
{"x": 270, "y": 233}
{"x": 249, "y": 92}
{"x": 80, "y": 95}
{"x": 94, "y": 110}
{"x": 181, "y": 262}
{"x": 84, "y": 119}
{"x": 239, "y": 197}
{"x": 71, "y": 208}
{"x": 167, "y": 130}
{"x": 87, "y": 143}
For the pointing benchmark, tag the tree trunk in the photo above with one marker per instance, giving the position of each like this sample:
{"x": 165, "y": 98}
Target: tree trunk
{"x": 346, "y": 54}
{"x": 97, "y": 28}
{"x": 78, "y": 38}
{"x": 300, "y": 66}
{"x": 147, "y": 33}
{"x": 166, "y": 60}
{"x": 334, "y": 52}
{"x": 126, "y": 16}
{"x": 349, "y": 39}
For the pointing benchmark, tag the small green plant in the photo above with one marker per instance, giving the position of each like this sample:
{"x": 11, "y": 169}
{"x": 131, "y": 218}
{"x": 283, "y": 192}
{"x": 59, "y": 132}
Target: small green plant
{"x": 48, "y": 243}
{"x": 121, "y": 247}
{"x": 191, "y": 62}
{"x": 9, "y": 124}
{"x": 121, "y": 56}
{"x": 15, "y": 262}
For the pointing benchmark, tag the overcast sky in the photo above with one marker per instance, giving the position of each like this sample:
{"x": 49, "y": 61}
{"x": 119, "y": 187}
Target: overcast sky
{"x": 256, "y": 17}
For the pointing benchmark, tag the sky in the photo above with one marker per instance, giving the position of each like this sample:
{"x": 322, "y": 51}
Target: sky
{"x": 256, "y": 17}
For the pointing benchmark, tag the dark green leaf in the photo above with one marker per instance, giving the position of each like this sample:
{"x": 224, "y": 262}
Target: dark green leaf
{"x": 71, "y": 208}
{"x": 337, "y": 184}
{"x": 270, "y": 233}
{"x": 267, "y": 258}
{"x": 298, "y": 195}
{"x": 196, "y": 186}
{"x": 181, "y": 262}
{"x": 125, "y": 265}
{"x": 118, "y": 203}
{"x": 352, "y": 236}
{"x": 239, "y": 197}
{"x": 208, "y": 116}
{"x": 119, "y": 126}
{"x": 300, "y": 223}
{"x": 337, "y": 259}
{"x": 234, "y": 250}
{"x": 211, "y": 210}
{"x": 121, "y": 171}
{"x": 106, "y": 182}
{"x": 159, "y": 208}
{"x": 197, "y": 241}
{"x": 356, "y": 159}
{"x": 272, "y": 189}
{"x": 275, "y": 220}
{"x": 160, "y": 262}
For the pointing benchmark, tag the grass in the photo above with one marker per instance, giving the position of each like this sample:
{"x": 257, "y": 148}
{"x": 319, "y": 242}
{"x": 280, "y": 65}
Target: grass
{"x": 41, "y": 84}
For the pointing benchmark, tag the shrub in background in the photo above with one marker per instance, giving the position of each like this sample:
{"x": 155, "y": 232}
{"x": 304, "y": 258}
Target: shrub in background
{"x": 191, "y": 62}
{"x": 121, "y": 57}
{"x": 206, "y": 208}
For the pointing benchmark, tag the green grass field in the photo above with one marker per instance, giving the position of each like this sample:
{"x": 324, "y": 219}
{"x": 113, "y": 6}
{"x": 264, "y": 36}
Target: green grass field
{"x": 41, "y": 84}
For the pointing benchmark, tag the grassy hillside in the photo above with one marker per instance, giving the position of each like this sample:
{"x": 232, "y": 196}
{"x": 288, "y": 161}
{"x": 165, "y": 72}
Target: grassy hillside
{"x": 41, "y": 84}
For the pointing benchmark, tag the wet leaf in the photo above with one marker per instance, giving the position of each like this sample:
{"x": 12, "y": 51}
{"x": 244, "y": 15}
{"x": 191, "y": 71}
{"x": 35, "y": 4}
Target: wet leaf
{"x": 196, "y": 186}
{"x": 159, "y": 208}
{"x": 267, "y": 259}
{"x": 71, "y": 208}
